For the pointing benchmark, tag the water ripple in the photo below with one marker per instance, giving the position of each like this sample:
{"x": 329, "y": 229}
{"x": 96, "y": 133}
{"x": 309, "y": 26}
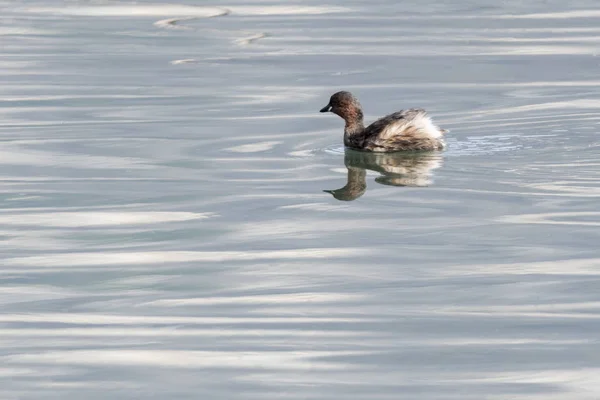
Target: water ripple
{"x": 164, "y": 228}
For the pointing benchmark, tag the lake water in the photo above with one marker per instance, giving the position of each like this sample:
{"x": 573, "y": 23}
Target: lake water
{"x": 179, "y": 221}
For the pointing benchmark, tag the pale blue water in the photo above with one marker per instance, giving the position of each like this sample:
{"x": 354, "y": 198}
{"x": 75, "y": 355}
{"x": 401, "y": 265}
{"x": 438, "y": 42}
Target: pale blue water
{"x": 165, "y": 233}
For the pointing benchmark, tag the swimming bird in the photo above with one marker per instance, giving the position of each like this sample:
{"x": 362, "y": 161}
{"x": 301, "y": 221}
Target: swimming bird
{"x": 409, "y": 129}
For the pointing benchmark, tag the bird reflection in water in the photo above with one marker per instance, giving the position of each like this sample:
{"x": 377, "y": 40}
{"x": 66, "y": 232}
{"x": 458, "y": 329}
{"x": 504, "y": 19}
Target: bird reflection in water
{"x": 396, "y": 169}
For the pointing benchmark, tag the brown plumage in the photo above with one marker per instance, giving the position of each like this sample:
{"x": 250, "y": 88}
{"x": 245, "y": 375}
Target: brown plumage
{"x": 409, "y": 129}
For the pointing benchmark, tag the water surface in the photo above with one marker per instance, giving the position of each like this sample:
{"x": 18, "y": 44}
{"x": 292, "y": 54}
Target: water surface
{"x": 166, "y": 234}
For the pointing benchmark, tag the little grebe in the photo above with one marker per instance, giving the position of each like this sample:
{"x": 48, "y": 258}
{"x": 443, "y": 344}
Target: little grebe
{"x": 409, "y": 129}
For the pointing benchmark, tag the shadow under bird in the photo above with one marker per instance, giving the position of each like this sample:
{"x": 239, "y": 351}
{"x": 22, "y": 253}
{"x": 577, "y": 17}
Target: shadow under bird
{"x": 409, "y": 129}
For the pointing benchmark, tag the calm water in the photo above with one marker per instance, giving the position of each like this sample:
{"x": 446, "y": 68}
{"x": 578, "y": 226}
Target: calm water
{"x": 166, "y": 234}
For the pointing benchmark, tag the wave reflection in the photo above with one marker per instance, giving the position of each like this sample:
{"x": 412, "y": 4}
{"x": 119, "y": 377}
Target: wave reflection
{"x": 396, "y": 169}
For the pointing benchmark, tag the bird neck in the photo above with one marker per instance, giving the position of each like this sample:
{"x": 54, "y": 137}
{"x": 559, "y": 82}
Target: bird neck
{"x": 354, "y": 128}
{"x": 354, "y": 122}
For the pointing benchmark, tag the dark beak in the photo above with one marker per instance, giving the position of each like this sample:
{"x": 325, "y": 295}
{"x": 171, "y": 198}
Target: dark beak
{"x": 327, "y": 108}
